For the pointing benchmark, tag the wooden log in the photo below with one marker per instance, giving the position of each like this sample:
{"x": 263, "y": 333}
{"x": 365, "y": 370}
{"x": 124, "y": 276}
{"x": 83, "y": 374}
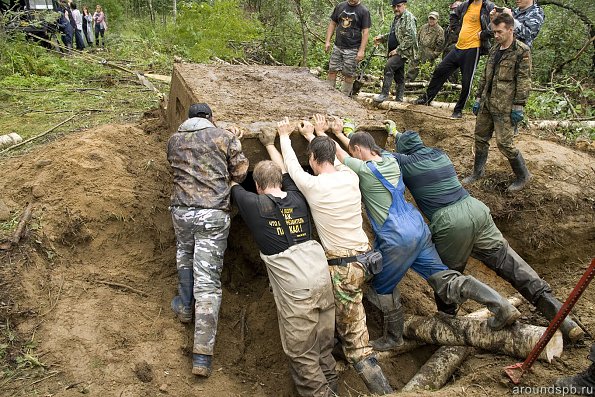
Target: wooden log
{"x": 444, "y": 362}
{"x": 20, "y": 229}
{"x": 366, "y": 97}
{"x": 553, "y": 124}
{"x": 516, "y": 340}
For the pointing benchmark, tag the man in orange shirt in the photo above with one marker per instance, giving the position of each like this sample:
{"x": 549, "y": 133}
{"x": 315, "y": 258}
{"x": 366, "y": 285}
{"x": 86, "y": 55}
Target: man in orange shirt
{"x": 473, "y": 24}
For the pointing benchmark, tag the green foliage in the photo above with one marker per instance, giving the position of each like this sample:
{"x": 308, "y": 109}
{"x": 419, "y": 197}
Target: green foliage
{"x": 203, "y": 31}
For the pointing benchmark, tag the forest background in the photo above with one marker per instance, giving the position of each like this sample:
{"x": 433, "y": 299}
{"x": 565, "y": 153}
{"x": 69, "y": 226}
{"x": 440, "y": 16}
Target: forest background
{"x": 146, "y": 35}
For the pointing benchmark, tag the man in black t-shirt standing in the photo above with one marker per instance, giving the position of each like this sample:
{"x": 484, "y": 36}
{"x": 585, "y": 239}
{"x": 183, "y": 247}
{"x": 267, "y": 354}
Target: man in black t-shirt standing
{"x": 350, "y": 22}
{"x": 279, "y": 219}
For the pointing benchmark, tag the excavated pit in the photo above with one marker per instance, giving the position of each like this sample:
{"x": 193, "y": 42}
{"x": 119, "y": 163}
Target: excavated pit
{"x": 92, "y": 281}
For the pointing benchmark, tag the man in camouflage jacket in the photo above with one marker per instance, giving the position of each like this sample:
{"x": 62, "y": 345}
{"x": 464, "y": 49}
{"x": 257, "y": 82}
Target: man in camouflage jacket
{"x": 204, "y": 161}
{"x": 504, "y": 88}
{"x": 431, "y": 42}
{"x": 402, "y": 46}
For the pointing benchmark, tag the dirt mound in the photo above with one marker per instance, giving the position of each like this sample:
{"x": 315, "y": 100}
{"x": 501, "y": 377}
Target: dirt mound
{"x": 94, "y": 279}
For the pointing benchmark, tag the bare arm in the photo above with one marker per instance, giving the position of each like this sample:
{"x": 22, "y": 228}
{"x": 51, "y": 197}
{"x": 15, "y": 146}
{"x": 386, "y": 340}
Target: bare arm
{"x": 276, "y": 157}
{"x": 329, "y": 34}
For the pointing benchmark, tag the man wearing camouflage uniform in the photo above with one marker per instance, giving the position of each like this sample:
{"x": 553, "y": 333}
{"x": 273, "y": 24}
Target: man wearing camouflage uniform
{"x": 204, "y": 161}
{"x": 334, "y": 199}
{"x": 504, "y": 88}
{"x": 431, "y": 41}
{"x": 402, "y": 46}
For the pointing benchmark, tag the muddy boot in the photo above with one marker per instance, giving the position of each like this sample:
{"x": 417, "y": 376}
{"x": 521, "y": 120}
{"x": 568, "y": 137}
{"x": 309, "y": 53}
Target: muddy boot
{"x": 582, "y": 384}
{"x": 383, "y": 96}
{"x": 201, "y": 364}
{"x": 521, "y": 172}
{"x": 332, "y": 82}
{"x": 549, "y": 306}
{"x": 392, "y": 335}
{"x": 422, "y": 100}
{"x": 479, "y": 164}
{"x": 400, "y": 92}
{"x": 183, "y": 304}
{"x": 372, "y": 375}
{"x": 504, "y": 313}
{"x": 346, "y": 88}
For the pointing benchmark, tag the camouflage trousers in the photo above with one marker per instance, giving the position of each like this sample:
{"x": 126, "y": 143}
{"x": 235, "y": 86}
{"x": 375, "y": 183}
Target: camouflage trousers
{"x": 350, "y": 316}
{"x": 489, "y": 123}
{"x": 201, "y": 236}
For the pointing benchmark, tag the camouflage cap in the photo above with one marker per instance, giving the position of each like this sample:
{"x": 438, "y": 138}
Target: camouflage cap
{"x": 433, "y": 14}
{"x": 201, "y": 110}
{"x": 395, "y": 2}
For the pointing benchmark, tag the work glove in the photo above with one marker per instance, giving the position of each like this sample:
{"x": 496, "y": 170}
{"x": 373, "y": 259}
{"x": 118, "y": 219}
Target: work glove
{"x": 516, "y": 116}
{"x": 267, "y": 137}
{"x": 348, "y": 127}
{"x": 476, "y": 107}
{"x": 391, "y": 128}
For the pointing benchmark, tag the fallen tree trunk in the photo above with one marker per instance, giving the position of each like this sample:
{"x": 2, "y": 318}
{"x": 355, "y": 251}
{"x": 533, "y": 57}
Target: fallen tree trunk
{"x": 417, "y": 84}
{"x": 366, "y": 97}
{"x": 516, "y": 340}
{"x": 553, "y": 124}
{"x": 444, "y": 362}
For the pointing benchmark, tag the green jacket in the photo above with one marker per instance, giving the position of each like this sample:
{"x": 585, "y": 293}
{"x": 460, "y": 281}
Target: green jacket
{"x": 431, "y": 39}
{"x": 404, "y": 28}
{"x": 507, "y": 83}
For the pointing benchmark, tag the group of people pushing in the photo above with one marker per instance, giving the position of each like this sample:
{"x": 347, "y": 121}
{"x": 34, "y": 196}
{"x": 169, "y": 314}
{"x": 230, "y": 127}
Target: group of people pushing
{"x": 319, "y": 287}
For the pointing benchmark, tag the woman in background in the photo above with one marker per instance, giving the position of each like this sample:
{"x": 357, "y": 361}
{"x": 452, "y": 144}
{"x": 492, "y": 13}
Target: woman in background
{"x": 100, "y": 25}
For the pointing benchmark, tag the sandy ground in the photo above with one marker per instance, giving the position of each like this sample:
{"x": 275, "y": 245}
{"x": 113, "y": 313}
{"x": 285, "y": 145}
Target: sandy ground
{"x": 92, "y": 281}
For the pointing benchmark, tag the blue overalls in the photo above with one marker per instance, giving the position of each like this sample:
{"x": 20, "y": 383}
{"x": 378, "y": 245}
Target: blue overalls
{"x": 403, "y": 239}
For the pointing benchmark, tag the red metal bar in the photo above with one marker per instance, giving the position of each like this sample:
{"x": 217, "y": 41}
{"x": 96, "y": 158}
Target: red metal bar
{"x": 515, "y": 372}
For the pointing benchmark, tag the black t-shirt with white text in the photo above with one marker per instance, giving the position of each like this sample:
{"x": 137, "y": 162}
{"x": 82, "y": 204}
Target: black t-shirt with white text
{"x": 261, "y": 216}
{"x": 350, "y": 20}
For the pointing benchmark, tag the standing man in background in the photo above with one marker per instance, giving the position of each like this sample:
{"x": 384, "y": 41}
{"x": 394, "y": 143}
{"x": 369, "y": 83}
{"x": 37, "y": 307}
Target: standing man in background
{"x": 204, "y": 161}
{"x": 473, "y": 17}
{"x": 528, "y": 18}
{"x": 431, "y": 42}
{"x": 350, "y": 23}
{"x": 402, "y": 46}
{"x": 502, "y": 93}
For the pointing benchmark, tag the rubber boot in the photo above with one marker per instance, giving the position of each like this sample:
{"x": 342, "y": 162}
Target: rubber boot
{"x": 392, "y": 335}
{"x": 346, "y": 88}
{"x": 481, "y": 158}
{"x": 504, "y": 313}
{"x": 400, "y": 92}
{"x": 183, "y": 303}
{"x": 583, "y": 383}
{"x": 332, "y": 82}
{"x": 447, "y": 308}
{"x": 383, "y": 96}
{"x": 521, "y": 172}
{"x": 202, "y": 364}
{"x": 372, "y": 375}
{"x": 422, "y": 100}
{"x": 549, "y": 306}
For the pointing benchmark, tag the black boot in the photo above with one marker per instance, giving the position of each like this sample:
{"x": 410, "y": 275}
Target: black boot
{"x": 504, "y": 312}
{"x": 422, "y": 100}
{"x": 521, "y": 172}
{"x": 481, "y": 158}
{"x": 447, "y": 308}
{"x": 549, "y": 306}
{"x": 400, "y": 92}
{"x": 372, "y": 375}
{"x": 392, "y": 310}
{"x": 383, "y": 96}
{"x": 582, "y": 384}
{"x": 183, "y": 303}
{"x": 453, "y": 287}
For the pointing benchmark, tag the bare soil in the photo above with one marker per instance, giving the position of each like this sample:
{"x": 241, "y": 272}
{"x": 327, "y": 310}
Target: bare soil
{"x": 92, "y": 281}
